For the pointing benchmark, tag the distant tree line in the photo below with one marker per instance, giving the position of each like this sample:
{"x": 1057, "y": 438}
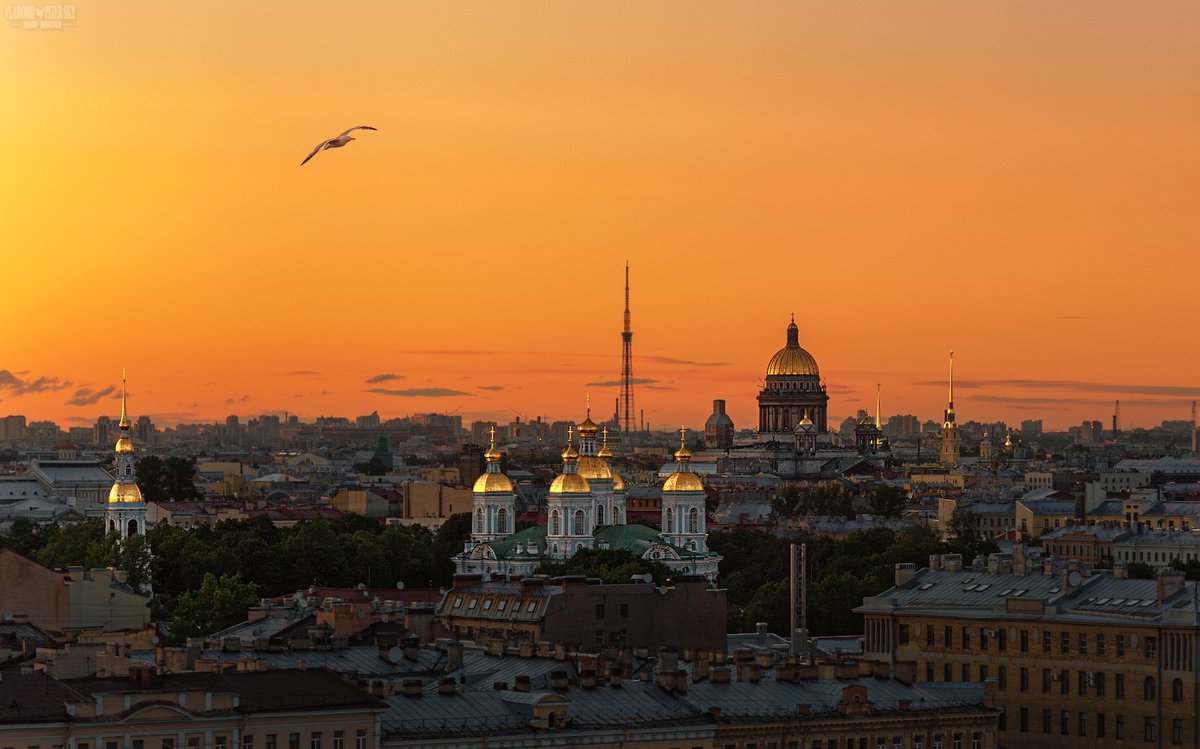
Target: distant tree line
{"x": 204, "y": 578}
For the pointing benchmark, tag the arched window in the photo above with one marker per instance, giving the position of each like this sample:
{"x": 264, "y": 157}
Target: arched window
{"x": 599, "y": 515}
{"x": 667, "y": 526}
{"x": 555, "y": 528}
{"x": 1177, "y": 690}
{"x": 694, "y": 521}
{"x": 580, "y": 520}
{"x": 479, "y": 521}
{"x": 502, "y": 520}
{"x": 1148, "y": 689}
{"x": 133, "y": 527}
{"x": 555, "y": 549}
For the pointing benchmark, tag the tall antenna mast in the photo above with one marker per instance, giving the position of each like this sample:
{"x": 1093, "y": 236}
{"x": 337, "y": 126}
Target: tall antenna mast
{"x": 628, "y": 415}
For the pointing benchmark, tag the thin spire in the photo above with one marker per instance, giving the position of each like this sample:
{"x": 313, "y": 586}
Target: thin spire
{"x": 683, "y": 438}
{"x": 124, "y": 423}
{"x": 878, "y": 421}
{"x": 589, "y": 406}
{"x": 627, "y": 328}
{"x": 951, "y": 380}
{"x": 492, "y": 436}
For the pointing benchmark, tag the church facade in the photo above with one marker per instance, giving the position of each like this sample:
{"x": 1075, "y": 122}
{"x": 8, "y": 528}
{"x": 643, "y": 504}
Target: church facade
{"x": 125, "y": 512}
{"x": 585, "y": 509}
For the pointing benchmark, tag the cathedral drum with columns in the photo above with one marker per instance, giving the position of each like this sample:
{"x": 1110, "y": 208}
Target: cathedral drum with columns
{"x": 793, "y": 392}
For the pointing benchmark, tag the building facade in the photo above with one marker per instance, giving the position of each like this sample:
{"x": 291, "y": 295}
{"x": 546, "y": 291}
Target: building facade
{"x": 793, "y": 386}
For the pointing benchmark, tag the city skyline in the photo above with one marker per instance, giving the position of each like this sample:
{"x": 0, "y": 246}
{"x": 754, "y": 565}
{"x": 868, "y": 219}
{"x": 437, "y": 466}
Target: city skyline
{"x": 907, "y": 182}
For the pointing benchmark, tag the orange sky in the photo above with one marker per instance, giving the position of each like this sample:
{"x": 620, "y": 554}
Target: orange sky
{"x": 1015, "y": 181}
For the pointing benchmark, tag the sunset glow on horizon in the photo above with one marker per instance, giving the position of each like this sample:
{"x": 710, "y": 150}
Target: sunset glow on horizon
{"x": 1016, "y": 182}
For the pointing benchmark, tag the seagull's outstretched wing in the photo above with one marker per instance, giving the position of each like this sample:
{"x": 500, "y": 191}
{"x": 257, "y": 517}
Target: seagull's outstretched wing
{"x": 358, "y": 127}
{"x": 314, "y": 152}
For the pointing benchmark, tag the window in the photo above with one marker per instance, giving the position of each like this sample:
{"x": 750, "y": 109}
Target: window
{"x": 1099, "y": 725}
{"x": 502, "y": 520}
{"x": 1177, "y": 731}
{"x": 247, "y": 741}
{"x": 966, "y": 672}
{"x": 1065, "y": 643}
{"x": 693, "y": 521}
{"x": 1120, "y": 679}
{"x": 314, "y": 741}
{"x": 947, "y": 673}
{"x": 983, "y": 639}
{"x": 293, "y": 741}
{"x": 339, "y": 740}
{"x": 1177, "y": 690}
{"x": 918, "y": 742}
{"x": 360, "y": 739}
{"x": 193, "y": 742}
{"x": 1120, "y": 729}
{"x": 487, "y": 605}
{"x": 1024, "y": 720}
{"x": 1149, "y": 691}
{"x": 269, "y": 741}
{"x": 983, "y": 672}
{"x": 928, "y": 636}
{"x": 1149, "y": 730}
{"x": 1045, "y": 681}
{"x": 1002, "y": 639}
{"x": 1045, "y": 643}
{"x": 1064, "y": 722}
{"x": 1100, "y": 645}
{"x": 1098, "y": 683}
{"x": 555, "y": 525}
{"x": 1024, "y": 641}
{"x": 1047, "y": 720}
{"x": 1083, "y": 724}
{"x": 1120, "y": 646}
{"x": 599, "y": 611}
{"x": 948, "y": 637}
{"x": 1082, "y": 680}
{"x": 1002, "y": 678}
{"x": 1064, "y": 681}
{"x": 903, "y": 634}
{"x": 966, "y": 638}
{"x": 624, "y": 611}
{"x": 580, "y": 522}
{"x": 957, "y": 742}
{"x": 1150, "y": 644}
{"x": 929, "y": 671}
{"x": 937, "y": 741}
{"x": 977, "y": 739}
{"x": 1083, "y": 643}
{"x": 1024, "y": 679}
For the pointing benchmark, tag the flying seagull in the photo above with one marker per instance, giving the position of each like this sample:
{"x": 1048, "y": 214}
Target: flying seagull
{"x": 337, "y": 142}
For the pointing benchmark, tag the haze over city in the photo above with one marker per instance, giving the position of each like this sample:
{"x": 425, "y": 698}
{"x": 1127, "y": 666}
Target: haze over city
{"x": 1014, "y": 182}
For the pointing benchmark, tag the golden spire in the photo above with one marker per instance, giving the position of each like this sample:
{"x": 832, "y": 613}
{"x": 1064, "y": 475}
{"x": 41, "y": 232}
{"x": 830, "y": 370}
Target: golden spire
{"x": 588, "y": 428}
{"x": 604, "y": 452}
{"x": 878, "y": 422}
{"x": 124, "y": 423}
{"x": 492, "y": 455}
{"x": 570, "y": 455}
{"x": 951, "y": 380}
{"x": 682, "y": 454}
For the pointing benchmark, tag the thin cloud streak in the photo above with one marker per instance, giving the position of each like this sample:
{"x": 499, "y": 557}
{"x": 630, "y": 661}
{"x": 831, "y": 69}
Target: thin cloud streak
{"x": 419, "y": 392}
{"x": 18, "y": 386}
{"x": 1077, "y": 385}
{"x": 384, "y": 378}
{"x": 87, "y": 396}
{"x": 617, "y": 383}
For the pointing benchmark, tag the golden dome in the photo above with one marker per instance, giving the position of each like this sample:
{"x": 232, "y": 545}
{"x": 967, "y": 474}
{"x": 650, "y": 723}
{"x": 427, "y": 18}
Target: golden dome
{"x": 791, "y": 360}
{"x": 593, "y": 467}
{"x": 570, "y": 454}
{"x": 588, "y": 428}
{"x": 683, "y": 481}
{"x": 492, "y": 482}
{"x": 492, "y": 455}
{"x": 124, "y": 445}
{"x": 124, "y": 494}
{"x": 569, "y": 483}
{"x": 618, "y": 482}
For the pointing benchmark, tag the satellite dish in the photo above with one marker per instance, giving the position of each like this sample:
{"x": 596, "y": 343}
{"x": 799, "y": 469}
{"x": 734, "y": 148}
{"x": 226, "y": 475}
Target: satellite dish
{"x": 154, "y": 640}
{"x": 361, "y": 586}
{"x": 399, "y": 585}
{"x": 648, "y": 577}
{"x": 395, "y": 654}
{"x": 1074, "y": 578}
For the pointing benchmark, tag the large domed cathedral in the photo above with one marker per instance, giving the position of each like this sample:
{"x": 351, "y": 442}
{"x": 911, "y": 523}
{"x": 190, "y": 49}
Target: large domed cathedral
{"x": 793, "y": 392}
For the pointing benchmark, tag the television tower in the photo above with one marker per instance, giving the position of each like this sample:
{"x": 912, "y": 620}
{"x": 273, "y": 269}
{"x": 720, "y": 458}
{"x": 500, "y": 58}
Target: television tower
{"x": 628, "y": 419}
{"x": 1116, "y": 429}
{"x": 1193, "y": 426}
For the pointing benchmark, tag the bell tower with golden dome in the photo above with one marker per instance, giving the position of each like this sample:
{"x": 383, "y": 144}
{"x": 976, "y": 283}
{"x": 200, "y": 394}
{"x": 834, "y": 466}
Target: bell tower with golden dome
{"x": 793, "y": 387}
{"x": 125, "y": 512}
{"x": 683, "y": 520}
{"x": 594, "y": 467}
{"x": 569, "y": 510}
{"x": 493, "y": 499}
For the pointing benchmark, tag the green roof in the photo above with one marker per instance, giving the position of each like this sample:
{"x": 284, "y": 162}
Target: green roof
{"x": 506, "y": 548}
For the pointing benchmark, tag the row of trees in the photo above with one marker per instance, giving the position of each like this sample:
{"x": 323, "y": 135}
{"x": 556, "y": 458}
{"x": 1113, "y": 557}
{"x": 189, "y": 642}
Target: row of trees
{"x": 755, "y": 573}
{"x": 838, "y": 500}
{"x": 204, "y": 578}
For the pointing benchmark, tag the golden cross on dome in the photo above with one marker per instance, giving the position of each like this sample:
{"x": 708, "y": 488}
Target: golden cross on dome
{"x": 589, "y": 405}
{"x": 605, "y": 434}
{"x": 492, "y": 434}
{"x": 570, "y": 429}
{"x": 683, "y": 437}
